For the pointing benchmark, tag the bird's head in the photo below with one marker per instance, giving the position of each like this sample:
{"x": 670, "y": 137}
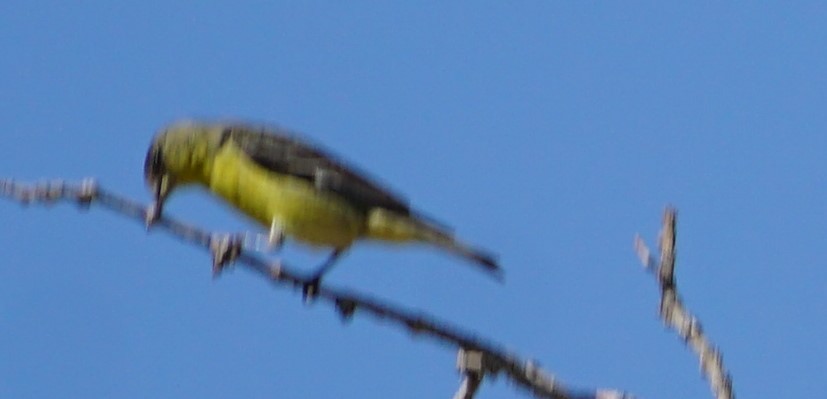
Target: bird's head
{"x": 179, "y": 155}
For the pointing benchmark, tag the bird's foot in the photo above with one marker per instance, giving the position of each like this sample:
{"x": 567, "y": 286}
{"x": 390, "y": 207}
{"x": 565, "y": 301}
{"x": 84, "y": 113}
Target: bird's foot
{"x": 261, "y": 243}
{"x": 311, "y": 285}
{"x": 273, "y": 241}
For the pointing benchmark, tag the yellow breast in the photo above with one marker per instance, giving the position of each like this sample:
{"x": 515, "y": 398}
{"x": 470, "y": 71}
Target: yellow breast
{"x": 304, "y": 213}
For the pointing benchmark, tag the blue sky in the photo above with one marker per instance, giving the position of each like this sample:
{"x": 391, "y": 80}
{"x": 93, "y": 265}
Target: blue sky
{"x": 549, "y": 132}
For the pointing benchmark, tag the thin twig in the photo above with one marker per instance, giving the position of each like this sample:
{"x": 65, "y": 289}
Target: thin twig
{"x": 471, "y": 366}
{"x": 524, "y": 374}
{"x": 469, "y": 385}
{"x": 675, "y": 315}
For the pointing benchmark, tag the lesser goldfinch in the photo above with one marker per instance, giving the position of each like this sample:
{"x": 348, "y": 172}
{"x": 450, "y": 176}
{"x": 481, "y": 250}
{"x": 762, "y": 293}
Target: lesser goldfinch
{"x": 291, "y": 187}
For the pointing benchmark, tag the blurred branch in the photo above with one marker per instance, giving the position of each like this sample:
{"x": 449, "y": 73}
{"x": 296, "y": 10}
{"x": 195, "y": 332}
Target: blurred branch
{"x": 470, "y": 364}
{"x": 674, "y": 314}
{"x": 493, "y": 361}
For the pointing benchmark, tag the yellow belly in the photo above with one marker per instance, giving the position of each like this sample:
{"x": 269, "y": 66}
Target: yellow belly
{"x": 302, "y": 211}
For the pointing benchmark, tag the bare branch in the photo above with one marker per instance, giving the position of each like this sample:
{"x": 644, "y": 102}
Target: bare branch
{"x": 470, "y": 383}
{"x": 674, "y": 314}
{"x": 492, "y": 360}
{"x": 470, "y": 364}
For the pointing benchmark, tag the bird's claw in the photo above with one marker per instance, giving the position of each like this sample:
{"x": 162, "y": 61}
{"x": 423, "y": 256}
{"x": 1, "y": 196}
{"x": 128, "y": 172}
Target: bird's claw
{"x": 275, "y": 239}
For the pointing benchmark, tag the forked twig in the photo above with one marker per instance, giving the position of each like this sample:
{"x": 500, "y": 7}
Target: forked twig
{"x": 675, "y": 315}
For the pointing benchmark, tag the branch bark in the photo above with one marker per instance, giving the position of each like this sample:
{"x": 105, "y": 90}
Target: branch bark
{"x": 470, "y": 365}
{"x": 524, "y": 374}
{"x": 675, "y": 315}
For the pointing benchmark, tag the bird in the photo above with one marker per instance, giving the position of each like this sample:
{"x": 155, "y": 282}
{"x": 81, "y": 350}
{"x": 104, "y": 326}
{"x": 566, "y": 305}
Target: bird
{"x": 292, "y": 187}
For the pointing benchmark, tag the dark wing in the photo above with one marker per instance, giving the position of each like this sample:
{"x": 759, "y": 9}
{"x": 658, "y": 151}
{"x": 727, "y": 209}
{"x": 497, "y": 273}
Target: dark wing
{"x": 281, "y": 152}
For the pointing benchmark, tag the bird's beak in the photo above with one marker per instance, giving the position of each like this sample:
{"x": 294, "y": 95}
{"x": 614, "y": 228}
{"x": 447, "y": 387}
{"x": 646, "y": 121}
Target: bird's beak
{"x": 161, "y": 188}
